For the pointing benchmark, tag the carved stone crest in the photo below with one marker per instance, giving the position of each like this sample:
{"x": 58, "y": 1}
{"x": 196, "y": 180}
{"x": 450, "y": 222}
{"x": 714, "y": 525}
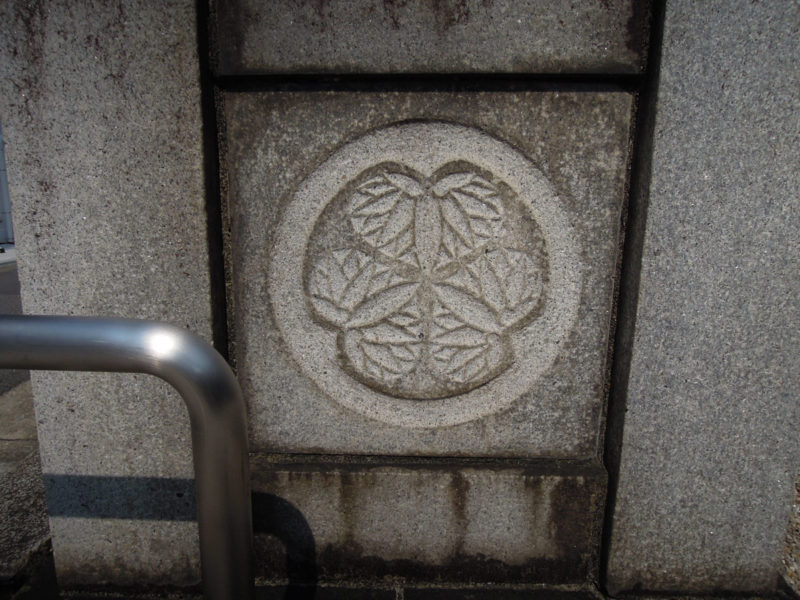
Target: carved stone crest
{"x": 424, "y": 275}
{"x": 433, "y": 280}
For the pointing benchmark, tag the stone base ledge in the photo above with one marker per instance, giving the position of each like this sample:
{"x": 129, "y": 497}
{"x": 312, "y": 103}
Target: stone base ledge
{"x": 329, "y": 520}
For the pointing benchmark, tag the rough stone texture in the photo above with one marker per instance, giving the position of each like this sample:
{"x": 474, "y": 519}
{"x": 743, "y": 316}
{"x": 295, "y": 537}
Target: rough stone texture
{"x": 445, "y": 522}
{"x": 453, "y": 36}
{"x": 791, "y": 559}
{"x": 101, "y": 116}
{"x": 16, "y": 414}
{"x": 10, "y": 304}
{"x": 276, "y": 142}
{"x": 710, "y": 447}
{"x": 498, "y": 593}
{"x": 23, "y": 517}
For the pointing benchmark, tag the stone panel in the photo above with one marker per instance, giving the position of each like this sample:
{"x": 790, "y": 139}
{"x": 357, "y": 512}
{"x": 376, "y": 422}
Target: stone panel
{"x": 424, "y": 273}
{"x": 100, "y": 104}
{"x": 452, "y": 36}
{"x": 427, "y": 522}
{"x": 710, "y": 447}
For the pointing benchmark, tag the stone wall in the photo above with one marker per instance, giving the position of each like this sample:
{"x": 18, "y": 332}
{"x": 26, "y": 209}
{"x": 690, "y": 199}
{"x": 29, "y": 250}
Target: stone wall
{"x": 100, "y": 103}
{"x": 424, "y": 216}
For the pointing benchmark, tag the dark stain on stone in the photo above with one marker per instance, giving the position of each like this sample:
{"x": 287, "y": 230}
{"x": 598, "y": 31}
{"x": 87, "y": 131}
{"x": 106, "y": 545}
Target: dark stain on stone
{"x": 33, "y": 18}
{"x": 574, "y": 526}
{"x": 347, "y": 505}
{"x": 391, "y": 7}
{"x": 264, "y": 466}
{"x": 448, "y": 13}
{"x": 342, "y": 563}
{"x": 638, "y": 30}
{"x": 458, "y": 491}
{"x": 574, "y": 496}
{"x": 227, "y": 32}
{"x": 319, "y": 8}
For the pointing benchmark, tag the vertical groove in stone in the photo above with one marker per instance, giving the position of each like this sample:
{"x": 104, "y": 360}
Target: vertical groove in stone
{"x": 211, "y": 169}
{"x": 633, "y": 226}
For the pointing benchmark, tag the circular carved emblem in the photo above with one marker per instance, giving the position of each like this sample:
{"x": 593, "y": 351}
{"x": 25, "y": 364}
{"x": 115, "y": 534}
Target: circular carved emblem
{"x": 424, "y": 278}
{"x": 425, "y": 262}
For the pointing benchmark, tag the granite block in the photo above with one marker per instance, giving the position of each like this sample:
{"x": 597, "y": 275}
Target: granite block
{"x": 454, "y": 36}
{"x": 333, "y": 521}
{"x": 710, "y": 448}
{"x": 23, "y": 518}
{"x": 474, "y": 320}
{"x": 100, "y": 104}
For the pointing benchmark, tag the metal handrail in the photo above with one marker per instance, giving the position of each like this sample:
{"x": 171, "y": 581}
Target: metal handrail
{"x": 216, "y": 411}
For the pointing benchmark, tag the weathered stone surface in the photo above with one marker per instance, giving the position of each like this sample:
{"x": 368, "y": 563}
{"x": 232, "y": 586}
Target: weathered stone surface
{"x": 10, "y": 304}
{"x": 101, "y": 116}
{"x": 445, "y": 522}
{"x": 16, "y": 414}
{"x": 454, "y": 36}
{"x": 710, "y": 447}
{"x": 319, "y": 592}
{"x": 499, "y": 593}
{"x": 441, "y": 286}
{"x": 23, "y": 518}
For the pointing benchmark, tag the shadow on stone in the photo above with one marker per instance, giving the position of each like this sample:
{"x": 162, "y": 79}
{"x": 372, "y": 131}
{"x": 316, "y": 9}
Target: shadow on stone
{"x": 274, "y": 516}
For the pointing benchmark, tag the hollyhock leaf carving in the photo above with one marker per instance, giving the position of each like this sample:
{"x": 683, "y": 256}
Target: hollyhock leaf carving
{"x": 381, "y": 355}
{"x": 427, "y": 232}
{"x": 404, "y": 352}
{"x": 329, "y": 311}
{"x": 447, "y": 321}
{"x": 475, "y": 207}
{"x": 338, "y": 282}
{"x": 382, "y": 209}
{"x": 374, "y": 206}
{"x": 428, "y": 293}
{"x": 398, "y": 221}
{"x": 402, "y": 319}
{"x": 405, "y": 183}
{"x": 456, "y": 180}
{"x": 463, "y": 336}
{"x": 389, "y": 334}
{"x": 382, "y": 278}
{"x": 383, "y": 359}
{"x": 458, "y": 223}
{"x": 491, "y": 287}
{"x": 520, "y": 279}
{"x": 470, "y": 309}
{"x": 465, "y": 355}
{"x": 481, "y": 228}
{"x": 357, "y": 288}
{"x": 472, "y": 207}
{"x": 376, "y": 187}
{"x": 508, "y": 281}
{"x": 381, "y": 305}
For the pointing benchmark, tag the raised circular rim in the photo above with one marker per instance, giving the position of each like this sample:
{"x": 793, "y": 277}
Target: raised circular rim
{"x": 424, "y": 146}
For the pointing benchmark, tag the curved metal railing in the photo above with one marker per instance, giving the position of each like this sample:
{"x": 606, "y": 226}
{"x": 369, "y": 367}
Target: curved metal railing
{"x": 216, "y": 411}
